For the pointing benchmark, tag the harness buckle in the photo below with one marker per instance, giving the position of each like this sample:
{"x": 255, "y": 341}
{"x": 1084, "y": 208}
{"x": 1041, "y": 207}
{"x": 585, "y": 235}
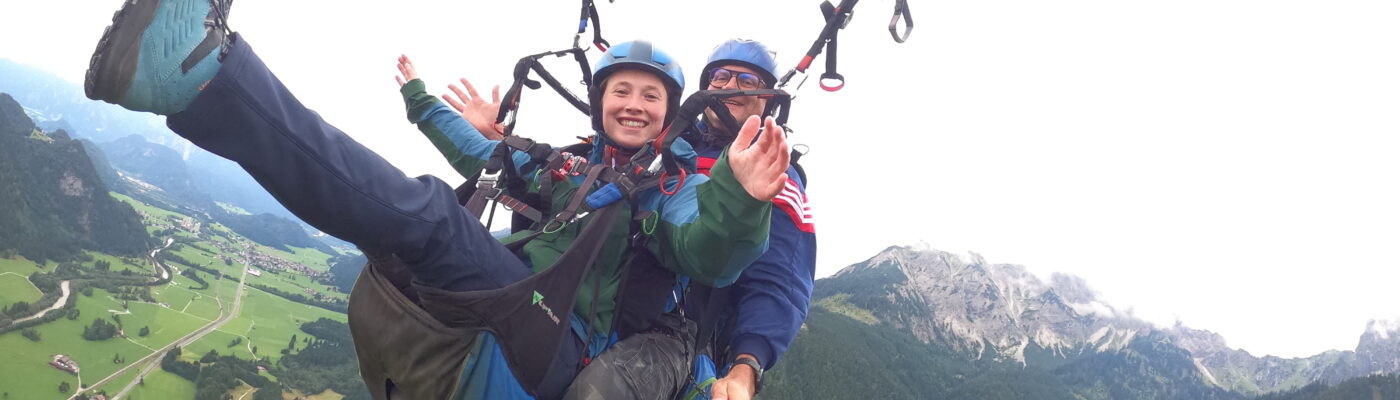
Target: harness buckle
{"x": 490, "y": 183}
{"x": 578, "y": 217}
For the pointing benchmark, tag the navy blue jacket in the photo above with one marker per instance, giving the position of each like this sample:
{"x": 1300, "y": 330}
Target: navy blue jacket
{"x": 772, "y": 295}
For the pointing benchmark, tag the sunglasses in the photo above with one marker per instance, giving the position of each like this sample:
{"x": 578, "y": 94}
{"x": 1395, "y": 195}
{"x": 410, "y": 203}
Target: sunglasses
{"x": 720, "y": 77}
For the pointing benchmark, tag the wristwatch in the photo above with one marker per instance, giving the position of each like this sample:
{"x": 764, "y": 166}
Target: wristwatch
{"x": 757, "y": 372}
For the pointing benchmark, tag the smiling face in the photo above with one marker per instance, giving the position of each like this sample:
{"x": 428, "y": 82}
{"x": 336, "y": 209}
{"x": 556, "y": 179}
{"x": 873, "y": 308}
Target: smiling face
{"x": 742, "y": 107}
{"x": 634, "y": 107}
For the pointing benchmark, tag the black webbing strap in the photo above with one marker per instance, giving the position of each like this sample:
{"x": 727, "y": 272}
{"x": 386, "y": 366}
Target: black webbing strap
{"x": 530, "y": 318}
{"x": 501, "y": 166}
{"x": 831, "y": 75}
{"x": 506, "y": 116}
{"x": 779, "y": 103}
{"x": 571, "y": 210}
{"x": 901, "y": 9}
{"x": 717, "y": 308}
{"x": 836, "y": 19}
{"x": 589, "y": 12}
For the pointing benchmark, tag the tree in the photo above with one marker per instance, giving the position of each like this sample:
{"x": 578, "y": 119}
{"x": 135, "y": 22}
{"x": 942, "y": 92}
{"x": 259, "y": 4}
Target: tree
{"x": 63, "y": 387}
{"x": 73, "y": 313}
{"x": 30, "y": 334}
{"x": 255, "y": 349}
{"x": 145, "y": 330}
{"x": 99, "y": 330}
{"x": 18, "y": 309}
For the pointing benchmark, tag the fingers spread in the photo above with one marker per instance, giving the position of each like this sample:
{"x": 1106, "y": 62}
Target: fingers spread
{"x": 470, "y": 89}
{"x": 460, "y": 95}
{"x": 461, "y": 108}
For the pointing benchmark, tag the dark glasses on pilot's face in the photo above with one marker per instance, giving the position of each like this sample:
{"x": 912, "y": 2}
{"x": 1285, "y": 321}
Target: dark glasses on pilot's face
{"x": 720, "y": 77}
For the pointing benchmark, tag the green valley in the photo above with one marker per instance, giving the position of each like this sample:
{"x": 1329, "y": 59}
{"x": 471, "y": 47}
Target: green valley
{"x": 205, "y": 290}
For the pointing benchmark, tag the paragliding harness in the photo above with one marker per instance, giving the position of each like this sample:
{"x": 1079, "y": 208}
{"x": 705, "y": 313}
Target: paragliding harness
{"x": 587, "y": 13}
{"x": 506, "y": 116}
{"x": 418, "y": 338}
{"x": 837, "y": 17}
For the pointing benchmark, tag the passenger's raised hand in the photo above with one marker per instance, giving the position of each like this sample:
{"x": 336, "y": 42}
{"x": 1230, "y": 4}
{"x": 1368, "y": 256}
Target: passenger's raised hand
{"x": 406, "y": 71}
{"x": 476, "y": 110}
{"x": 761, "y": 167}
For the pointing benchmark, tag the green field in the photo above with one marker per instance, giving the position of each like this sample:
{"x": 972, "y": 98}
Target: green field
{"x": 140, "y": 267}
{"x": 160, "y": 385}
{"x": 266, "y": 321}
{"x": 232, "y": 209}
{"x": 116, "y": 385}
{"x": 15, "y": 288}
{"x": 29, "y": 359}
{"x": 20, "y": 265}
{"x": 182, "y": 296}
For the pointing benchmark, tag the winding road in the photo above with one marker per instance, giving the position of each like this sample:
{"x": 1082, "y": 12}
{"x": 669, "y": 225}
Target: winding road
{"x": 151, "y": 361}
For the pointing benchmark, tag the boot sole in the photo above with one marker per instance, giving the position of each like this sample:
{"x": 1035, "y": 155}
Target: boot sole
{"x": 113, "y": 64}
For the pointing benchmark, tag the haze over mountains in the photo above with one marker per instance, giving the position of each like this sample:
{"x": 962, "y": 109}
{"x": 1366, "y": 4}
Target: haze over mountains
{"x": 916, "y": 312}
{"x": 152, "y": 164}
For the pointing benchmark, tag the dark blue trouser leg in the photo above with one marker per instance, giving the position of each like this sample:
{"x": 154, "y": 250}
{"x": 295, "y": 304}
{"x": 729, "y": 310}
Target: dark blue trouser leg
{"x": 342, "y": 188}
{"x": 336, "y": 184}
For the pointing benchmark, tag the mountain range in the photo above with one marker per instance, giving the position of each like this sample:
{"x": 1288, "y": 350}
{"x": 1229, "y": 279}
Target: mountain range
{"x": 928, "y": 324}
{"x": 54, "y": 202}
{"x": 134, "y": 154}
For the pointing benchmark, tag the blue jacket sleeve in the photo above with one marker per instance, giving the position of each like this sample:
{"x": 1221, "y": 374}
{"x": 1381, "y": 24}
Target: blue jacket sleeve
{"x": 772, "y": 295}
{"x": 459, "y": 142}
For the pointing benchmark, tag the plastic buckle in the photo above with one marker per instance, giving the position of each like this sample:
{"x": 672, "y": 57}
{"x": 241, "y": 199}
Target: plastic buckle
{"x": 494, "y": 190}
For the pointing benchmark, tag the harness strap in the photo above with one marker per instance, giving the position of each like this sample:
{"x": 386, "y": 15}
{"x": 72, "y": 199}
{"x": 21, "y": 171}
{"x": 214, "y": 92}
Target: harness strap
{"x": 589, "y": 12}
{"x": 571, "y": 211}
{"x": 506, "y": 116}
{"x": 836, "y": 19}
{"x": 831, "y": 75}
{"x": 901, "y": 9}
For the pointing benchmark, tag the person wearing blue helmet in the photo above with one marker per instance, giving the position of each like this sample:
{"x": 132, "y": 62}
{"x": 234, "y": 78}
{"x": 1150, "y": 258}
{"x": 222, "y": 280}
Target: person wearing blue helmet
{"x": 414, "y": 331}
{"x": 665, "y": 343}
{"x": 746, "y": 327}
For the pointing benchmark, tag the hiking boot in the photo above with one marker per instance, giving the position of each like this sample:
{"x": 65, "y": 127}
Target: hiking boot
{"x": 158, "y": 54}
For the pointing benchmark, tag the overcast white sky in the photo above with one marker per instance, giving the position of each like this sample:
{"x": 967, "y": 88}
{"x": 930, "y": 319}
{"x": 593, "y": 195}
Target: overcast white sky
{"x": 1228, "y": 163}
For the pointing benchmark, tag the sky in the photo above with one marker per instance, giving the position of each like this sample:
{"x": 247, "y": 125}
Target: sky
{"x": 1230, "y": 164}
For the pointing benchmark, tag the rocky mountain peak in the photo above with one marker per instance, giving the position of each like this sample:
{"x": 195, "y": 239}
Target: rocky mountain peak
{"x": 989, "y": 310}
{"x": 1004, "y": 312}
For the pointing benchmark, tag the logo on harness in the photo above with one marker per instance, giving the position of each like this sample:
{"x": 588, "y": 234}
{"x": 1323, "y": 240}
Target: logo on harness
{"x": 539, "y": 300}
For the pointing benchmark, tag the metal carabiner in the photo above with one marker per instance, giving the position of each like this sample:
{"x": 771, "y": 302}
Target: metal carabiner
{"x": 901, "y": 9}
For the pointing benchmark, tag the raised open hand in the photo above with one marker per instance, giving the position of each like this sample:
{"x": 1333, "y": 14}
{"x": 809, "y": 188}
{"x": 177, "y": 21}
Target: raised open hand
{"x": 476, "y": 110}
{"x": 761, "y": 167}
{"x": 406, "y": 71}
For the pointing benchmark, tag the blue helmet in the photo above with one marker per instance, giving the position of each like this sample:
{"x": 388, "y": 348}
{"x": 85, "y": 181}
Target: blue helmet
{"x": 638, "y": 54}
{"x": 744, "y": 52}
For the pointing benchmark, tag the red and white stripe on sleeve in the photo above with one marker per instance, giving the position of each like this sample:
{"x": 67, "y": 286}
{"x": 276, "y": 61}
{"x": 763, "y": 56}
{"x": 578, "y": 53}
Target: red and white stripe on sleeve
{"x": 794, "y": 203}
